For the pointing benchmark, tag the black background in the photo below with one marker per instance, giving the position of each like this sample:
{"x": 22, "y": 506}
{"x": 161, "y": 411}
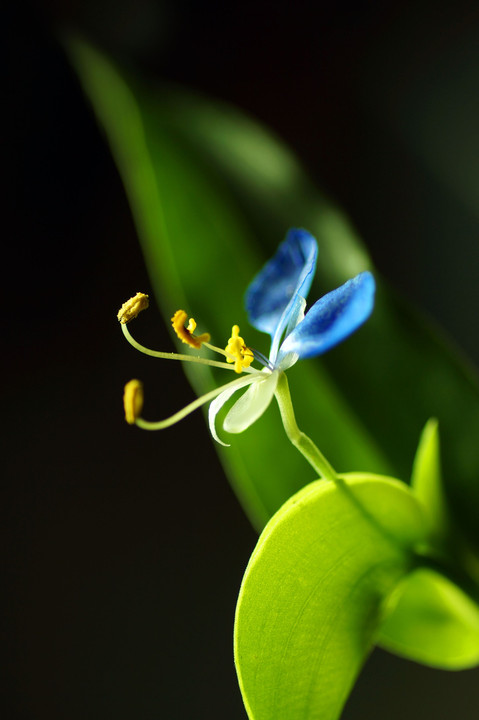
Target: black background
{"x": 123, "y": 551}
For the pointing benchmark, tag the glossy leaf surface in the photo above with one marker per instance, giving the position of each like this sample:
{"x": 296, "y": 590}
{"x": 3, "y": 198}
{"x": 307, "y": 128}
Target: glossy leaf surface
{"x": 312, "y": 596}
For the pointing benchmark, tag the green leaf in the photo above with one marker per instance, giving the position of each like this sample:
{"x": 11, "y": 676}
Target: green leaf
{"x": 313, "y": 593}
{"x": 212, "y": 195}
{"x": 429, "y": 618}
{"x": 426, "y": 482}
{"x": 433, "y": 622}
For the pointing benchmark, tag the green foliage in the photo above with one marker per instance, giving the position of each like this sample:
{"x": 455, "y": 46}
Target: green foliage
{"x": 426, "y": 480}
{"x": 430, "y": 619}
{"x": 312, "y": 596}
{"x": 212, "y": 195}
{"x": 433, "y": 622}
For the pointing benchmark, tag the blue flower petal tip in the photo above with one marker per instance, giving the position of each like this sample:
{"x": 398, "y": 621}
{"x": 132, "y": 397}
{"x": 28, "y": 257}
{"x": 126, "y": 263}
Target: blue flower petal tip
{"x": 275, "y": 303}
{"x": 333, "y": 318}
{"x": 289, "y": 272}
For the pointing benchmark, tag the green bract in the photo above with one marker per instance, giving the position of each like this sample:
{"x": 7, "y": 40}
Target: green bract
{"x": 430, "y": 619}
{"x": 312, "y": 597}
{"x": 433, "y": 622}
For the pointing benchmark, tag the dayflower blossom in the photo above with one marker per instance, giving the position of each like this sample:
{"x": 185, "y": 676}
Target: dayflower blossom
{"x": 275, "y": 302}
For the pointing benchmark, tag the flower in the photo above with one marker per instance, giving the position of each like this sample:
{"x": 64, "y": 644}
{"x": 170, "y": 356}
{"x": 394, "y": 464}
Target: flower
{"x": 275, "y": 302}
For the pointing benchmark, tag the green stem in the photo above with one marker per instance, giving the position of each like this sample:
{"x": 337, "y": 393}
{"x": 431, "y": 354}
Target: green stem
{"x": 301, "y": 441}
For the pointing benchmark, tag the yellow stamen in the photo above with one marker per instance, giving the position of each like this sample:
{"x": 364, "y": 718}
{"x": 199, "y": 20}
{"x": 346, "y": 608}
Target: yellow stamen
{"x": 241, "y": 355}
{"x": 132, "y": 307}
{"x": 133, "y": 401}
{"x": 186, "y": 333}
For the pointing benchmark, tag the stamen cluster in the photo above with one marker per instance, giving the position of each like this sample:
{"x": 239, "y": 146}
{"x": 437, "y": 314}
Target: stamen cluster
{"x": 275, "y": 301}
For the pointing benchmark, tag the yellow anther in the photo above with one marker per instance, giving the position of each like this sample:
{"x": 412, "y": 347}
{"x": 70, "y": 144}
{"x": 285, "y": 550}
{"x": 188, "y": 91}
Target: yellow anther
{"x": 133, "y": 401}
{"x": 242, "y": 355}
{"x": 186, "y": 333}
{"x": 132, "y": 307}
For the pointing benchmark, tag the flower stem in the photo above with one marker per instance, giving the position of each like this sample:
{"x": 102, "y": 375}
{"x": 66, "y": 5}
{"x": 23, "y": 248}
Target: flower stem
{"x": 301, "y": 441}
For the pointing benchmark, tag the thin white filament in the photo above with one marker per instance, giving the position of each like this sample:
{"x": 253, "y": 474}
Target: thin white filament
{"x": 229, "y": 387}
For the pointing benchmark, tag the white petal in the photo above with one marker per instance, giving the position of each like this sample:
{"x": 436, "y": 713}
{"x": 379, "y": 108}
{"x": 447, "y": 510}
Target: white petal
{"x": 287, "y": 360}
{"x": 218, "y": 402}
{"x": 252, "y": 404}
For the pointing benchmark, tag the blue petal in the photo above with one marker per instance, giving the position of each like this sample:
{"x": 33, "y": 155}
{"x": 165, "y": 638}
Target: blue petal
{"x": 289, "y": 272}
{"x": 332, "y": 318}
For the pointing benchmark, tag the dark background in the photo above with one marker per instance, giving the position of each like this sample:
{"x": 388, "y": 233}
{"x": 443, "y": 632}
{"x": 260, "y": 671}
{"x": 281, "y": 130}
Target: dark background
{"x": 122, "y": 569}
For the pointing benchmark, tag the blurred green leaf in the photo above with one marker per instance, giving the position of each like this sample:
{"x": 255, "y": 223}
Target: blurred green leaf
{"x": 432, "y": 621}
{"x": 312, "y": 596}
{"x": 212, "y": 195}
